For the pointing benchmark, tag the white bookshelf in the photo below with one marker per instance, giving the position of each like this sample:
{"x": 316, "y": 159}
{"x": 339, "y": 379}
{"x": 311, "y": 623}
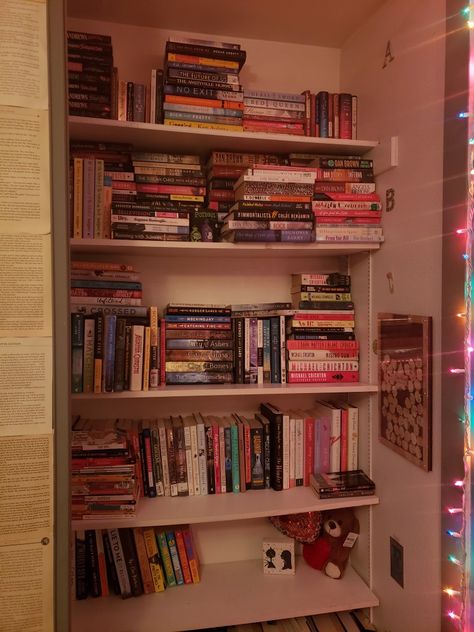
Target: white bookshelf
{"x": 231, "y": 390}
{"x": 228, "y": 527}
{"x": 148, "y": 136}
{"x": 225, "y": 507}
{"x": 236, "y": 592}
{"x": 219, "y": 250}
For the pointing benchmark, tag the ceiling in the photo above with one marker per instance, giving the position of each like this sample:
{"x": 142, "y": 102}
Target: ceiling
{"x": 316, "y": 22}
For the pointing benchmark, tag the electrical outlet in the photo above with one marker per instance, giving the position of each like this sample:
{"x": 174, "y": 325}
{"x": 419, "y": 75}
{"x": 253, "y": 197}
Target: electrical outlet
{"x": 396, "y": 561}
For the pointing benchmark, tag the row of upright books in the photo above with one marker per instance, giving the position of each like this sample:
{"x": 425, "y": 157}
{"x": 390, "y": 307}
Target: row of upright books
{"x": 117, "y": 344}
{"x": 115, "y": 462}
{"x": 347, "y": 621}
{"x": 130, "y": 562}
{"x": 119, "y": 193}
{"x": 199, "y": 86}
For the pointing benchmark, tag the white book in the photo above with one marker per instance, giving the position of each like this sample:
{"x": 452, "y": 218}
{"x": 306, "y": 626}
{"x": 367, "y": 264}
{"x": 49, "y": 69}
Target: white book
{"x": 202, "y": 459}
{"x": 190, "y": 424}
{"x": 352, "y": 436}
{"x": 136, "y": 364}
{"x": 119, "y": 561}
{"x": 189, "y": 456}
{"x": 333, "y": 413}
{"x": 164, "y": 457}
{"x": 299, "y": 449}
{"x": 292, "y": 449}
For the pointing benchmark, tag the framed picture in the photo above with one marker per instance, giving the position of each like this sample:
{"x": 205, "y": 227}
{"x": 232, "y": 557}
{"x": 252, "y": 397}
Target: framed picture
{"x": 404, "y": 348}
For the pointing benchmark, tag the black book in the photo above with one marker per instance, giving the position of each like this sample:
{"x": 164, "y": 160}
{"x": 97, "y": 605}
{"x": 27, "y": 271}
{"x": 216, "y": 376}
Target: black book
{"x": 211, "y": 479}
{"x": 257, "y": 455}
{"x": 335, "y": 484}
{"x": 275, "y": 417}
{"x": 119, "y": 362}
{"x": 82, "y": 587}
{"x": 112, "y": 577}
{"x": 131, "y": 561}
{"x": 180, "y": 451}
{"x": 323, "y": 336}
{"x": 198, "y": 50}
{"x": 92, "y": 564}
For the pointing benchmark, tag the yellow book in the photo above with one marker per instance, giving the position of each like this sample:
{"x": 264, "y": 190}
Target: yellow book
{"x": 203, "y": 61}
{"x": 154, "y": 349}
{"x": 218, "y": 126}
{"x": 154, "y": 559}
{"x": 146, "y": 360}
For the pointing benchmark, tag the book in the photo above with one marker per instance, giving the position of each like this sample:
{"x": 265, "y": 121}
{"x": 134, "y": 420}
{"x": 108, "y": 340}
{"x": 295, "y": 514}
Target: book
{"x": 154, "y": 559}
{"x": 340, "y": 484}
{"x": 173, "y": 549}
{"x": 120, "y": 563}
{"x": 166, "y": 558}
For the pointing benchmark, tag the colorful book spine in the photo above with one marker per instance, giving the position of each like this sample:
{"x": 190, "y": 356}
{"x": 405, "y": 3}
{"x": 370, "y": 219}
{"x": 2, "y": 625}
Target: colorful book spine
{"x": 154, "y": 559}
{"x": 191, "y": 554}
{"x": 166, "y": 558}
{"x": 183, "y": 559}
{"x": 178, "y": 573}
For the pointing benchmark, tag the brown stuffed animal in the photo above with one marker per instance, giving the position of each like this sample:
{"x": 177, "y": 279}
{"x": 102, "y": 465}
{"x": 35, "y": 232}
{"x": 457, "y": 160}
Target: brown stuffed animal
{"x": 330, "y": 552}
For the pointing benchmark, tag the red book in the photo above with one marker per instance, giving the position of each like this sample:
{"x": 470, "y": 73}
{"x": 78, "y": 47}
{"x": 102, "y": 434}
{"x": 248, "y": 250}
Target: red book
{"x": 316, "y": 377}
{"x": 330, "y": 345}
{"x": 217, "y": 456}
{"x": 183, "y": 559}
{"x": 345, "y": 116}
{"x": 342, "y": 212}
{"x": 344, "y": 220}
{"x": 346, "y": 197}
{"x": 198, "y": 326}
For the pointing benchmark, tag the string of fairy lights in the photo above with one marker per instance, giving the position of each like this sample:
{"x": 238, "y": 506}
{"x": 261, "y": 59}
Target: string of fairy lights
{"x": 461, "y": 527}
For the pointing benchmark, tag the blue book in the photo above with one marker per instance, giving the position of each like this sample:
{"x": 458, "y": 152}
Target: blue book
{"x": 113, "y": 285}
{"x": 178, "y": 573}
{"x": 110, "y": 326}
{"x": 234, "y": 434}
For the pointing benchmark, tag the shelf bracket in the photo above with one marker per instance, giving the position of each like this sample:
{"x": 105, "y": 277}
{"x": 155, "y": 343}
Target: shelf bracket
{"x": 385, "y": 155}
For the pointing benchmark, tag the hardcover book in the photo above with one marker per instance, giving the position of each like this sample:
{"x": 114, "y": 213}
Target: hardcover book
{"x": 337, "y": 484}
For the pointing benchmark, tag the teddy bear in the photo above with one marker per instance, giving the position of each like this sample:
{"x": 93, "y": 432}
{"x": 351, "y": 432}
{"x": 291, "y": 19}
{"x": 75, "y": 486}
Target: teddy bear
{"x": 330, "y": 552}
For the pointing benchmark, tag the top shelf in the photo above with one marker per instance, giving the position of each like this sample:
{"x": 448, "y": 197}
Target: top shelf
{"x": 148, "y": 136}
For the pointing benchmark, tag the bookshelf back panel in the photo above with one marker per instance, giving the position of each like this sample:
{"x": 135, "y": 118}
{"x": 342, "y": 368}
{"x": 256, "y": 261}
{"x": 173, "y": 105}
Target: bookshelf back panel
{"x": 276, "y": 66}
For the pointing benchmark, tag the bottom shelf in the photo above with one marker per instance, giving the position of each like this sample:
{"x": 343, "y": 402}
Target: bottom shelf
{"x": 229, "y": 593}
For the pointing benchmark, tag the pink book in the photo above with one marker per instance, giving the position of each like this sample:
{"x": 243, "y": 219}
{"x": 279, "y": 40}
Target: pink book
{"x": 308, "y": 448}
{"x": 343, "y": 464}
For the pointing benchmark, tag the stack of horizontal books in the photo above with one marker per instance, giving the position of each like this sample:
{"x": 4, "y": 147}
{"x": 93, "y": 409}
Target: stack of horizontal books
{"x": 345, "y": 203}
{"x": 268, "y": 190}
{"x": 90, "y": 68}
{"x": 321, "y": 342}
{"x": 342, "y": 484}
{"x": 274, "y": 112}
{"x": 185, "y": 330}
{"x": 104, "y": 468}
{"x": 201, "y": 84}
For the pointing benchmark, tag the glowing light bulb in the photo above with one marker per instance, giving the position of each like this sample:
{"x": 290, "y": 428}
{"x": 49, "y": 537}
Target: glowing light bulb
{"x": 470, "y": 24}
{"x": 456, "y": 371}
{"x": 453, "y": 615}
{"x": 461, "y": 231}
{"x": 463, "y": 115}
{"x": 466, "y": 11}
{"x": 459, "y": 483}
{"x": 454, "y": 560}
{"x": 465, "y": 256}
{"x": 461, "y": 314}
{"x": 453, "y": 534}
{"x": 455, "y": 510}
{"x": 451, "y": 592}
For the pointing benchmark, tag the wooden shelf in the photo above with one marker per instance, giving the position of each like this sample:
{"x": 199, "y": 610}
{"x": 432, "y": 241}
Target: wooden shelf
{"x": 219, "y": 249}
{"x": 223, "y": 598}
{"x": 147, "y": 136}
{"x": 225, "y": 507}
{"x": 228, "y": 390}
